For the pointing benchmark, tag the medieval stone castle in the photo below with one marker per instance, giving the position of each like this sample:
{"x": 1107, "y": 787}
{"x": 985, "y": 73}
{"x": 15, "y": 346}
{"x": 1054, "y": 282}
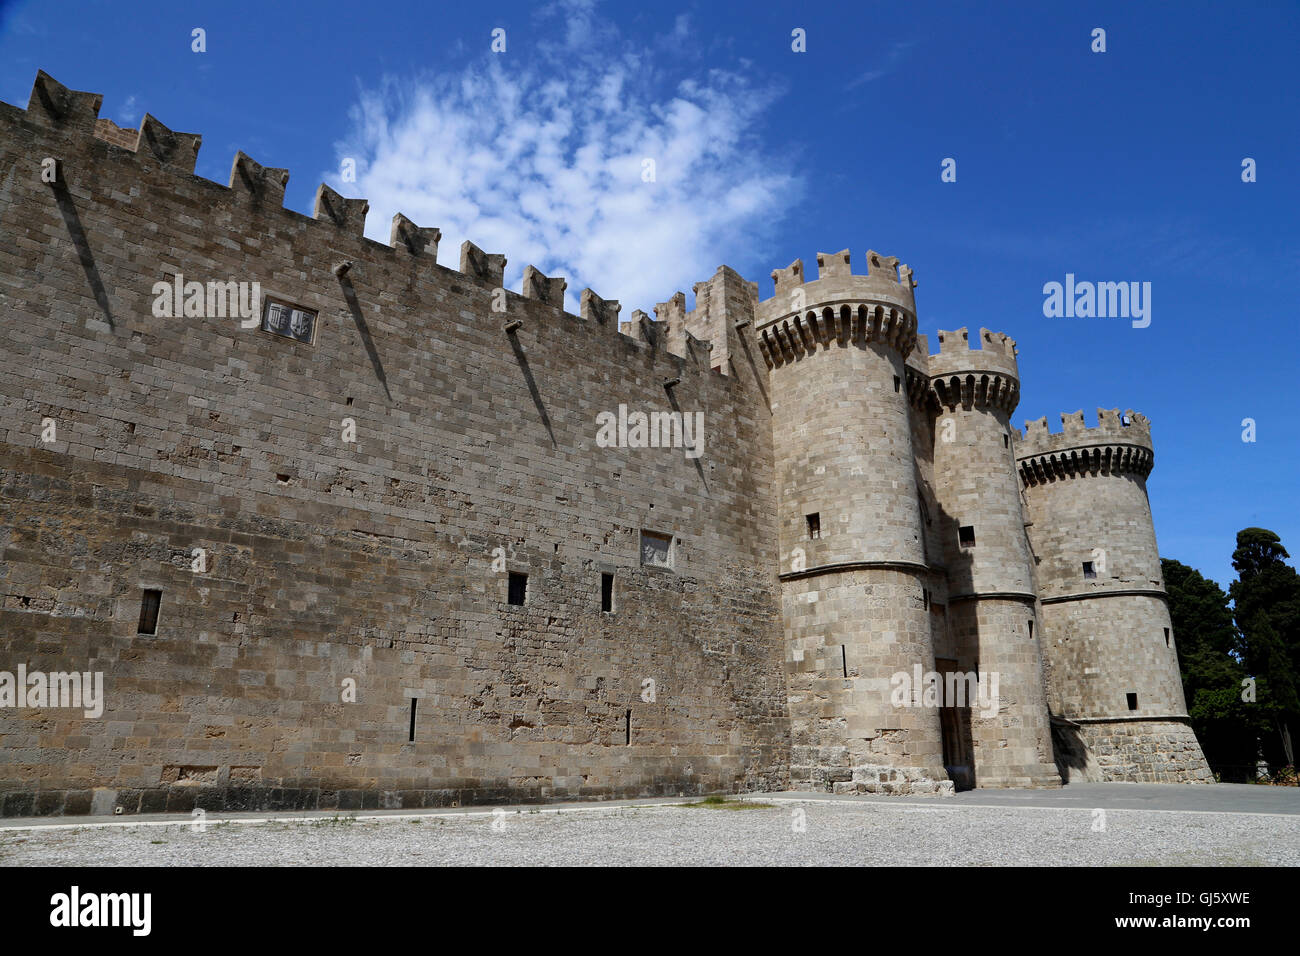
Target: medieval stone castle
{"x": 361, "y": 547}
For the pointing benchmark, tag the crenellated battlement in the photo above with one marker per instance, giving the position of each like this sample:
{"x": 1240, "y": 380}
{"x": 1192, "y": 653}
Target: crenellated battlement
{"x": 985, "y": 377}
{"x": 885, "y": 283}
{"x": 838, "y": 306}
{"x": 75, "y": 113}
{"x": 1111, "y": 447}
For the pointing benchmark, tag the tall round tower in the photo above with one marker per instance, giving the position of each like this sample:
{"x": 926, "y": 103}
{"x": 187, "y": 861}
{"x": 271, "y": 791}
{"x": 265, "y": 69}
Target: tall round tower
{"x": 1108, "y": 643}
{"x": 853, "y": 566}
{"x": 991, "y": 597}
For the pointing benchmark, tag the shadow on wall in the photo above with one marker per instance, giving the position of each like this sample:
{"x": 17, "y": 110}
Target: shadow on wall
{"x": 1074, "y": 761}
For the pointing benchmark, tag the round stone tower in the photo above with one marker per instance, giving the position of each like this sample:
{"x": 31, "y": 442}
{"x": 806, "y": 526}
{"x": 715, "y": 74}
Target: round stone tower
{"x": 992, "y": 616}
{"x": 853, "y": 566}
{"x": 1108, "y": 646}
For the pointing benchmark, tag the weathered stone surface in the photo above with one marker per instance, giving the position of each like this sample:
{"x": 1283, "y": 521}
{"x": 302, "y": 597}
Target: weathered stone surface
{"x": 362, "y": 494}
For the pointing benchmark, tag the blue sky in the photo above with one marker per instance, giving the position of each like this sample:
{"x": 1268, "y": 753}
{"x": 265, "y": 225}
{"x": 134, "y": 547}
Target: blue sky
{"x": 1115, "y": 166}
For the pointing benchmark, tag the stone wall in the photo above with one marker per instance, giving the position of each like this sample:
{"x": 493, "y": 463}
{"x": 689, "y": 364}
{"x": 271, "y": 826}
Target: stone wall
{"x": 383, "y": 560}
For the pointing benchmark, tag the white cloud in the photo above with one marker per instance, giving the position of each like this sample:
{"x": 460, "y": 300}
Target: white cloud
{"x": 543, "y": 162}
{"x": 129, "y": 112}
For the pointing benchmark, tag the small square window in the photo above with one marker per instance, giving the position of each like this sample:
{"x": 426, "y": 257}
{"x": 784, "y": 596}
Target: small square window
{"x": 150, "y": 602}
{"x": 607, "y": 593}
{"x": 1132, "y": 701}
{"x": 814, "y": 524}
{"x": 1089, "y": 570}
{"x": 966, "y": 536}
{"x": 656, "y": 549}
{"x": 518, "y": 587}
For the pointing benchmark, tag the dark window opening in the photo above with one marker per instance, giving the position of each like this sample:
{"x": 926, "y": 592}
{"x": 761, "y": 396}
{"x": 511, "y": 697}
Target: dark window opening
{"x": 627, "y": 728}
{"x": 1132, "y": 701}
{"x": 150, "y": 602}
{"x": 844, "y": 659}
{"x": 1089, "y": 571}
{"x": 518, "y": 587}
{"x": 1006, "y": 441}
{"x": 1031, "y": 630}
{"x": 897, "y": 383}
{"x": 607, "y": 593}
{"x": 1166, "y": 637}
{"x": 966, "y": 536}
{"x": 412, "y": 735}
{"x": 925, "y": 596}
{"x": 815, "y": 524}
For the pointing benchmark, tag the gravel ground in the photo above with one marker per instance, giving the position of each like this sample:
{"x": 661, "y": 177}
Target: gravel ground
{"x": 872, "y": 834}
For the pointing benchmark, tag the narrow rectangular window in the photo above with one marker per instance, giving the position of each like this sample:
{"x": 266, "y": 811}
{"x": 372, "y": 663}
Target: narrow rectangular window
{"x": 966, "y": 536}
{"x": 1031, "y": 630}
{"x": 412, "y": 736}
{"x": 844, "y": 659}
{"x": 1166, "y": 637}
{"x": 627, "y": 728}
{"x": 814, "y": 524}
{"x": 925, "y": 596}
{"x": 897, "y": 383}
{"x": 607, "y": 593}
{"x": 150, "y": 602}
{"x": 1006, "y": 441}
{"x": 1132, "y": 701}
{"x": 1089, "y": 570}
{"x": 518, "y": 587}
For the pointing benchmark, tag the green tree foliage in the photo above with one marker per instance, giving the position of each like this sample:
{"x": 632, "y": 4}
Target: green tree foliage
{"x": 1266, "y": 598}
{"x": 1227, "y": 727}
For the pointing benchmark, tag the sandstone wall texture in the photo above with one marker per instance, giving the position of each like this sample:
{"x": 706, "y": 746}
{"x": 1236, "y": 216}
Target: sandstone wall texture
{"x": 385, "y": 560}
{"x": 399, "y": 562}
{"x": 1109, "y": 651}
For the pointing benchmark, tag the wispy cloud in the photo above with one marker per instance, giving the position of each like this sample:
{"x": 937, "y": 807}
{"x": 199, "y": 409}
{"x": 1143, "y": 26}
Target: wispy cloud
{"x": 599, "y": 168}
{"x": 128, "y": 113}
{"x": 891, "y": 61}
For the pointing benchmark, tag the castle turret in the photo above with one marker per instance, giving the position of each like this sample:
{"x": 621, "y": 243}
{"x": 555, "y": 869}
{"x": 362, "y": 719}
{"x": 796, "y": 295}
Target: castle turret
{"x": 1108, "y": 645}
{"x": 853, "y": 566}
{"x": 991, "y": 597}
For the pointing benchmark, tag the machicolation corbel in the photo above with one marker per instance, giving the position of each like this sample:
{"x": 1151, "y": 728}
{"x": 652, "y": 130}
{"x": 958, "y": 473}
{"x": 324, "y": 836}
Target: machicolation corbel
{"x": 348, "y": 214}
{"x": 416, "y": 240}
{"x": 167, "y": 146}
{"x": 55, "y": 105}
{"x": 544, "y": 288}
{"x": 486, "y": 267}
{"x": 262, "y": 183}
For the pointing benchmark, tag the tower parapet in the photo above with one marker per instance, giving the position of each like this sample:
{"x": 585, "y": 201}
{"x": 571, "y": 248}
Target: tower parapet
{"x": 961, "y": 375}
{"x": 838, "y": 306}
{"x": 1119, "y": 444}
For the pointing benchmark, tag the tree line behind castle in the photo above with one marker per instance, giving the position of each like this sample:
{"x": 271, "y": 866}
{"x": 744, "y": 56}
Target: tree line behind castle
{"x": 1240, "y": 663}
